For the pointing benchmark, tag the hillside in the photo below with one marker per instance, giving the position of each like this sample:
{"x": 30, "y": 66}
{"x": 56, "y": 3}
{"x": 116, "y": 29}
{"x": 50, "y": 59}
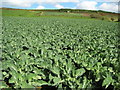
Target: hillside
{"x": 69, "y": 13}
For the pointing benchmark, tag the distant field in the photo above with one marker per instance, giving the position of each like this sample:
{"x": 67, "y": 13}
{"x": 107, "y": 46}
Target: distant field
{"x": 59, "y": 50}
{"x": 101, "y": 15}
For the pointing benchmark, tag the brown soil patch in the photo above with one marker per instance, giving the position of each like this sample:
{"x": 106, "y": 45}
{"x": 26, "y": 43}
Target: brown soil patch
{"x": 86, "y": 14}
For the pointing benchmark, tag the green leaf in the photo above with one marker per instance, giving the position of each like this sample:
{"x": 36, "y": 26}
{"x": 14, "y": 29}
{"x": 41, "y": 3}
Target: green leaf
{"x": 84, "y": 64}
{"x": 39, "y": 83}
{"x": 97, "y": 77}
{"x": 80, "y": 72}
{"x": 33, "y": 76}
{"x": 12, "y": 66}
{"x": 56, "y": 70}
{"x": 51, "y": 77}
{"x": 60, "y": 86}
{"x": 56, "y": 80}
{"x": 107, "y": 81}
{"x": 26, "y": 85}
{"x": 3, "y": 85}
{"x": 110, "y": 69}
{"x": 86, "y": 83}
{"x": 12, "y": 80}
{"x": 4, "y": 73}
{"x": 20, "y": 77}
{"x": 14, "y": 77}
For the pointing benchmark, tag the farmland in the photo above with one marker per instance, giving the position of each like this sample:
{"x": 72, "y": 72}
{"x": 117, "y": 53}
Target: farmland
{"x": 60, "y": 52}
{"x": 67, "y": 13}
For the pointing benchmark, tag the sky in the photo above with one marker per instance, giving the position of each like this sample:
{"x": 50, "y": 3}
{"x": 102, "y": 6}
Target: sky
{"x": 106, "y": 5}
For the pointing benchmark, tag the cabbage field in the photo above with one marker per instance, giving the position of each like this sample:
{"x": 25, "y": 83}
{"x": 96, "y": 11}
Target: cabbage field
{"x": 60, "y": 53}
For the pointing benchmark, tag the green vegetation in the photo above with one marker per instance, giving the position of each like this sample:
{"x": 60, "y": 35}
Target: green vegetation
{"x": 67, "y": 13}
{"x": 17, "y": 13}
{"x": 60, "y": 52}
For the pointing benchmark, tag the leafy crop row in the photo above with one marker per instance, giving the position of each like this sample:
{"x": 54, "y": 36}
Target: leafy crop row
{"x": 64, "y": 53}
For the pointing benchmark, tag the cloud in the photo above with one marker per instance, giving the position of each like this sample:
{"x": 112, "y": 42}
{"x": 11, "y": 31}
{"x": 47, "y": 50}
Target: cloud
{"x": 89, "y": 5}
{"x": 80, "y": 4}
{"x": 59, "y": 6}
{"x": 109, "y": 7}
{"x": 56, "y": 1}
{"x": 17, "y": 3}
{"x": 106, "y": 0}
{"x": 40, "y": 7}
{"x": 93, "y": 5}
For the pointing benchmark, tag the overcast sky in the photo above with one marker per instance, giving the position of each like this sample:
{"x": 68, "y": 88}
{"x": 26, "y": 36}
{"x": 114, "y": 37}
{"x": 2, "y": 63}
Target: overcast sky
{"x": 106, "y": 5}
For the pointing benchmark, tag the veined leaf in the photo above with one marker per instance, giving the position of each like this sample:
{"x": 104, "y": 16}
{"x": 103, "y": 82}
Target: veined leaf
{"x": 57, "y": 80}
{"x": 39, "y": 83}
{"x": 80, "y": 72}
{"x": 56, "y": 70}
